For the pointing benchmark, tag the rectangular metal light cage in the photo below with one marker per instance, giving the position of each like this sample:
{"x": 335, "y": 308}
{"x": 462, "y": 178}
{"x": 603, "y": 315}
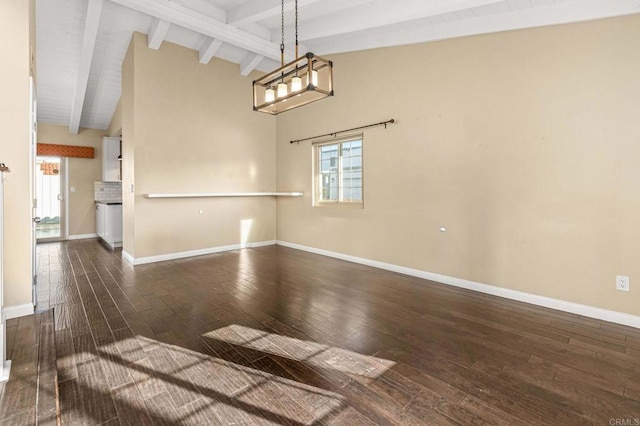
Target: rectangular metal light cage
{"x": 311, "y": 69}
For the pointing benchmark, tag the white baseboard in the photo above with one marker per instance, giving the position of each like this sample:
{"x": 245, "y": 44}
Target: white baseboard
{"x": 5, "y": 371}
{"x": 82, "y": 236}
{"x": 192, "y": 253}
{"x": 16, "y": 311}
{"x": 111, "y": 244}
{"x": 126, "y": 256}
{"x": 534, "y": 299}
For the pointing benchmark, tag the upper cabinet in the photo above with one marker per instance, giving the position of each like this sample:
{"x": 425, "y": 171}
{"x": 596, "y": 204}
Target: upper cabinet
{"x": 110, "y": 160}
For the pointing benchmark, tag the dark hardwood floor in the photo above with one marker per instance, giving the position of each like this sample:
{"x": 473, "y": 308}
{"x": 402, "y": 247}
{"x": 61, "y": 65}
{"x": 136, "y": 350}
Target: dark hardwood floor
{"x": 29, "y": 396}
{"x": 278, "y": 336}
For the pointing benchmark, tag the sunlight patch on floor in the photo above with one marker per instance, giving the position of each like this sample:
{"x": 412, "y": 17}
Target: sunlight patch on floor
{"x": 315, "y": 354}
{"x": 179, "y": 385}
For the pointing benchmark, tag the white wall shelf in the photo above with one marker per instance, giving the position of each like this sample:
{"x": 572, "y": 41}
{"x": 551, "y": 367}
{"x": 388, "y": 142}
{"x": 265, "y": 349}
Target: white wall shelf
{"x": 221, "y": 194}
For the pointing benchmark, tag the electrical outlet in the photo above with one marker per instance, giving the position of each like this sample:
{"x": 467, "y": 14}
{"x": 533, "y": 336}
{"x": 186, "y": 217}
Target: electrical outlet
{"x": 622, "y": 283}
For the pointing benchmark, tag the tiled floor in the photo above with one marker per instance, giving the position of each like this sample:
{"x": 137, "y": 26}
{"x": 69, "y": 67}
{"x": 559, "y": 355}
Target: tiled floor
{"x": 278, "y": 336}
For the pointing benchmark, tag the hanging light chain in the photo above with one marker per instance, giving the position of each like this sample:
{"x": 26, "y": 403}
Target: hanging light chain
{"x": 282, "y": 39}
{"x": 296, "y": 6}
{"x": 282, "y": 86}
{"x": 296, "y": 82}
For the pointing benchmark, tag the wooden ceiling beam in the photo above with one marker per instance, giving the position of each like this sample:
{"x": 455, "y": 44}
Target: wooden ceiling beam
{"x": 90, "y": 33}
{"x": 208, "y": 50}
{"x": 196, "y": 21}
{"x": 257, "y": 10}
{"x": 158, "y": 33}
{"x": 249, "y": 63}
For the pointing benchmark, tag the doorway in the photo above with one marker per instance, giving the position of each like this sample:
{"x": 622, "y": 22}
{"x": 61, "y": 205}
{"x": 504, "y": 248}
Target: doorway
{"x": 50, "y": 208}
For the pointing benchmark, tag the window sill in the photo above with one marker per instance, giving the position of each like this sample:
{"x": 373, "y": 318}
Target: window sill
{"x": 330, "y": 204}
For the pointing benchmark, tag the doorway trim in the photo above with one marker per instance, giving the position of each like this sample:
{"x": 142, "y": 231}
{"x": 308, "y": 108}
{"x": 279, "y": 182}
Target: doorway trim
{"x": 65, "y": 191}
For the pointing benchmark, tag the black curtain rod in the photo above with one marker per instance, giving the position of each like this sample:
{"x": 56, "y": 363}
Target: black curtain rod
{"x": 382, "y": 123}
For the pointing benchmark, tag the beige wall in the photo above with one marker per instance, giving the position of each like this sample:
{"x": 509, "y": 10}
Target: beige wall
{"x": 82, "y": 172}
{"x": 115, "y": 127}
{"x": 189, "y": 127}
{"x": 16, "y": 19}
{"x": 523, "y": 144}
{"x": 127, "y": 117}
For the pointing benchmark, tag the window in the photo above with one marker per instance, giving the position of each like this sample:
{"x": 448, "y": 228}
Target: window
{"x": 338, "y": 171}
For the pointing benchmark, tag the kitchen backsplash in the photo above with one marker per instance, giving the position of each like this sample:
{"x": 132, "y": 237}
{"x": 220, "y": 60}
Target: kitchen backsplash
{"x": 107, "y": 192}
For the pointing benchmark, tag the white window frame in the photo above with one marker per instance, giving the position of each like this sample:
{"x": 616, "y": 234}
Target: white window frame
{"x": 317, "y": 180}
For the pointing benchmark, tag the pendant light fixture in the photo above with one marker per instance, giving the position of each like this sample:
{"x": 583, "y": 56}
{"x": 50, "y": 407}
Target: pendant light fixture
{"x": 304, "y": 80}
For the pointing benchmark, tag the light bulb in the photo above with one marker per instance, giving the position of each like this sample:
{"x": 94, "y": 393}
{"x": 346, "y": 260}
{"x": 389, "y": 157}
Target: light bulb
{"x": 314, "y": 77}
{"x": 269, "y": 95}
{"x": 282, "y": 89}
{"x": 296, "y": 84}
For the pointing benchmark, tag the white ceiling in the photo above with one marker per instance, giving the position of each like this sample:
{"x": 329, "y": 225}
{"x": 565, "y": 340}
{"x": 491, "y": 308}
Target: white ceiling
{"x": 81, "y": 43}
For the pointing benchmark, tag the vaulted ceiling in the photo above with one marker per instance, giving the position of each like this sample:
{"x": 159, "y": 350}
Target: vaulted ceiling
{"x": 81, "y": 43}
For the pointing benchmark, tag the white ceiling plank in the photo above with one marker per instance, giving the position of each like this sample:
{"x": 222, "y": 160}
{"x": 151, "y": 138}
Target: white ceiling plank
{"x": 205, "y": 8}
{"x": 465, "y": 14}
{"x": 92, "y": 21}
{"x": 448, "y": 17}
{"x": 435, "y": 20}
{"x": 208, "y": 50}
{"x": 483, "y": 10}
{"x": 538, "y": 3}
{"x": 557, "y": 13}
{"x": 500, "y": 7}
{"x": 520, "y": 4}
{"x": 157, "y": 34}
{"x": 203, "y": 24}
{"x": 258, "y": 10}
{"x": 379, "y": 15}
{"x": 250, "y": 63}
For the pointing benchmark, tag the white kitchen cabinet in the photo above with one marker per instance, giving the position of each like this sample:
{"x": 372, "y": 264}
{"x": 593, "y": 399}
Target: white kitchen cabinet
{"x": 101, "y": 210}
{"x": 109, "y": 223}
{"x": 110, "y": 161}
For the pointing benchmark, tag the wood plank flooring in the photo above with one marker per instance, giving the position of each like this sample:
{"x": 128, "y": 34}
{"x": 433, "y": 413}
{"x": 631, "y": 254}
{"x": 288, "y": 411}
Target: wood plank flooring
{"x": 278, "y": 336}
{"x": 29, "y": 397}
